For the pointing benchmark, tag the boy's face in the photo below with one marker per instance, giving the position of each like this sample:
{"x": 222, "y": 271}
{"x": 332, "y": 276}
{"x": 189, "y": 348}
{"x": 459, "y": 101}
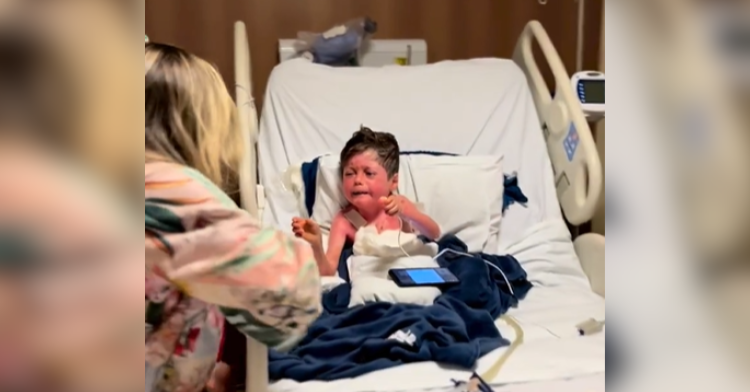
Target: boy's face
{"x": 365, "y": 181}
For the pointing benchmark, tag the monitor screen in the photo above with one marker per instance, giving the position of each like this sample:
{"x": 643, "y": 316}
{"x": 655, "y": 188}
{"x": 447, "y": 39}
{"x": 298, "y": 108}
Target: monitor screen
{"x": 591, "y": 91}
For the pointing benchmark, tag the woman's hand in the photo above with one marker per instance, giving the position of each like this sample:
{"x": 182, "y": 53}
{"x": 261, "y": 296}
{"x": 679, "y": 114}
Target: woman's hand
{"x": 308, "y": 230}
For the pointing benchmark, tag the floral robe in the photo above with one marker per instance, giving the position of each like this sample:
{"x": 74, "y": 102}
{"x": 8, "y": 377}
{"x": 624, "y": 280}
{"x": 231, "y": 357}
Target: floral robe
{"x": 206, "y": 259}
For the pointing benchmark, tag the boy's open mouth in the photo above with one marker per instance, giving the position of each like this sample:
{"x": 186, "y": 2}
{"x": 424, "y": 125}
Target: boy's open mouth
{"x": 360, "y": 193}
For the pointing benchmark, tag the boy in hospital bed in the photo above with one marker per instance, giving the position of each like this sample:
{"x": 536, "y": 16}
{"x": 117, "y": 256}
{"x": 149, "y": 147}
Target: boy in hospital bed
{"x": 382, "y": 224}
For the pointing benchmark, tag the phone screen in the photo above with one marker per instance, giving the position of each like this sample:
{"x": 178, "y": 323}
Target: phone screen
{"x": 425, "y": 276}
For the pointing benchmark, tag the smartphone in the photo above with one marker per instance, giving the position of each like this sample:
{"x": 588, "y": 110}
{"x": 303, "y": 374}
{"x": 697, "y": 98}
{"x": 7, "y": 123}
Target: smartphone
{"x": 419, "y": 277}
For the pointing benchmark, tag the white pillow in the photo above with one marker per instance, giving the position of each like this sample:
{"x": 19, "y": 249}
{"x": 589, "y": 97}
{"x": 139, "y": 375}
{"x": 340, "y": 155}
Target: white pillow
{"x": 284, "y": 199}
{"x": 329, "y": 197}
{"x": 463, "y": 194}
{"x": 368, "y": 289}
{"x": 370, "y": 282}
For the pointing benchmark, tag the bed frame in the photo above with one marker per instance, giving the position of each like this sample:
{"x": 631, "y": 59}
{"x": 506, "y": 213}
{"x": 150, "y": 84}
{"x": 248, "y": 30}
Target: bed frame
{"x": 579, "y": 181}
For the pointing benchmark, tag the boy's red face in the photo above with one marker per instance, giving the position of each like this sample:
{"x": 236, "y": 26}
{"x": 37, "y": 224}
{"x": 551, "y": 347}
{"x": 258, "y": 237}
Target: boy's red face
{"x": 365, "y": 181}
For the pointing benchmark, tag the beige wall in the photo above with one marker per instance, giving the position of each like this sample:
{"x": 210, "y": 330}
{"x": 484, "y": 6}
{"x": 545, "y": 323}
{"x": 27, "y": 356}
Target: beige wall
{"x": 597, "y": 224}
{"x": 453, "y": 29}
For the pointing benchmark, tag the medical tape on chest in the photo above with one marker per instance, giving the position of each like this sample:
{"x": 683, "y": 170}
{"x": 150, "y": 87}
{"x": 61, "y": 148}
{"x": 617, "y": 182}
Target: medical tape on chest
{"x": 355, "y": 219}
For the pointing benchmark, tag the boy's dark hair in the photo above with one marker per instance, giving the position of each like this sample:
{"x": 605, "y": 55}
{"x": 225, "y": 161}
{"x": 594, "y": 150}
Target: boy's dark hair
{"x": 383, "y": 144}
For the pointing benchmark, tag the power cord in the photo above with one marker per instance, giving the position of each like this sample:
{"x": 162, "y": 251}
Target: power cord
{"x": 398, "y": 238}
{"x": 444, "y": 251}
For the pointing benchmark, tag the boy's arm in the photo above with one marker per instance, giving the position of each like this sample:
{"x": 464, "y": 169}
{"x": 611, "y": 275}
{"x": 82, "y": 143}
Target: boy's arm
{"x": 420, "y": 221}
{"x": 328, "y": 262}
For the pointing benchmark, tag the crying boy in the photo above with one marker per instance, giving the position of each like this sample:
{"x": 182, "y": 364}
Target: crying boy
{"x": 383, "y": 225}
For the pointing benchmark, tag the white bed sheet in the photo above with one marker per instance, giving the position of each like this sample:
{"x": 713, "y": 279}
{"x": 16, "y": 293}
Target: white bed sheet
{"x": 473, "y": 107}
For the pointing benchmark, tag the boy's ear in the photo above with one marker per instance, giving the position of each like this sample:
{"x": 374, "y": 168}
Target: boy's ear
{"x": 394, "y": 183}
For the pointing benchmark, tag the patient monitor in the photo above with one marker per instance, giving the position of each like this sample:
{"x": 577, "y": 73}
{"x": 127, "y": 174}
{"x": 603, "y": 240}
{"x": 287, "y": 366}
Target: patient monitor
{"x": 589, "y": 89}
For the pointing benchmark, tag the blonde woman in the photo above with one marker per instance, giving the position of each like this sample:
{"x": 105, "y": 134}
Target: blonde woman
{"x": 205, "y": 258}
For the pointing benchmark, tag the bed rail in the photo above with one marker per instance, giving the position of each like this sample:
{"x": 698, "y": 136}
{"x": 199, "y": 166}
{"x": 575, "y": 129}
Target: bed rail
{"x": 575, "y": 159}
{"x": 248, "y": 118}
{"x": 257, "y": 353}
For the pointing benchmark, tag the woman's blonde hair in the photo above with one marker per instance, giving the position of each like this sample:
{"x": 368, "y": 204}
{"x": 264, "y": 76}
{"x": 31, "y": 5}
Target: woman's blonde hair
{"x": 190, "y": 117}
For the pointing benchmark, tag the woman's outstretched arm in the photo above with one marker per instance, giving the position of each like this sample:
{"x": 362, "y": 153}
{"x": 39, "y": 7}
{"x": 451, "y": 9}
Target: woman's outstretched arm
{"x": 266, "y": 283}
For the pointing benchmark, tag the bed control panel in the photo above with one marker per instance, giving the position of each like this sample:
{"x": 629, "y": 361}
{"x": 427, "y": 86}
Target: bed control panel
{"x": 589, "y": 89}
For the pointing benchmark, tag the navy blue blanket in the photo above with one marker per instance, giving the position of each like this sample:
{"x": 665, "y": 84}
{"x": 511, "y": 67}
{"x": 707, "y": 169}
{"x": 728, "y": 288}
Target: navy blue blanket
{"x": 457, "y": 330}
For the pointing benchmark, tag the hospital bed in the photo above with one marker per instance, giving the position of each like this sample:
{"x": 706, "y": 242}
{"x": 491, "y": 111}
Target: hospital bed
{"x": 474, "y": 107}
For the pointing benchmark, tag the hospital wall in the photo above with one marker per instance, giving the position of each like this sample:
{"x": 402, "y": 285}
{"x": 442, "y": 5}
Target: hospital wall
{"x": 453, "y": 29}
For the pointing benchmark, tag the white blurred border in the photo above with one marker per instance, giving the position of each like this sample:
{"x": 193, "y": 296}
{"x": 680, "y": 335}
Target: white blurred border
{"x": 662, "y": 314}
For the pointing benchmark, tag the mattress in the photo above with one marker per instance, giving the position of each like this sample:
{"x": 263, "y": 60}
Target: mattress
{"x": 471, "y": 107}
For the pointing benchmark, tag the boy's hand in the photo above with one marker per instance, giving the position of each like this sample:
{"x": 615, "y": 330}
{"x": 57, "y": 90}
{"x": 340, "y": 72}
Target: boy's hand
{"x": 308, "y": 230}
{"x": 397, "y": 205}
